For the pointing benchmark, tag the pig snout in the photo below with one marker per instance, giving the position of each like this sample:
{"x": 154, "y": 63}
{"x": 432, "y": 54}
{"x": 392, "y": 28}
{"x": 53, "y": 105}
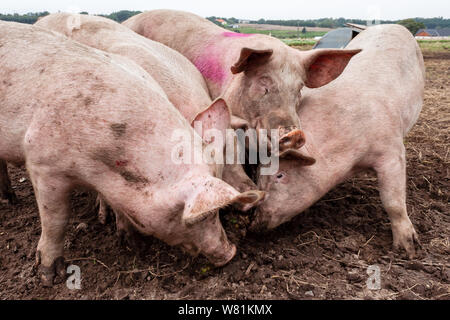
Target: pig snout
{"x": 268, "y": 215}
{"x": 260, "y": 222}
{"x": 291, "y": 138}
{"x": 221, "y": 257}
{"x": 212, "y": 242}
{"x": 290, "y": 146}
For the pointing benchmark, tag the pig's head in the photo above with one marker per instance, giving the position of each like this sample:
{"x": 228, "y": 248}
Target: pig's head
{"x": 265, "y": 91}
{"x": 201, "y": 230}
{"x": 186, "y": 214}
{"x": 288, "y": 192}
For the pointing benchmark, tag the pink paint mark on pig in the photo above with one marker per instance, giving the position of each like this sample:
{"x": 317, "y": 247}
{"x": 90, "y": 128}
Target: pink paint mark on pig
{"x": 236, "y": 35}
{"x": 121, "y": 163}
{"x": 208, "y": 63}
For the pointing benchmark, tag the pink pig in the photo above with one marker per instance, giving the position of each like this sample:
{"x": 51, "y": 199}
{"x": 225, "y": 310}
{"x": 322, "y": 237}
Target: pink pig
{"x": 259, "y": 76}
{"x": 181, "y": 81}
{"x": 77, "y": 116}
{"x": 355, "y": 123}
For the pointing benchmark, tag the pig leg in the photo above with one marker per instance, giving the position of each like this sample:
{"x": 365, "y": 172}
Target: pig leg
{"x": 52, "y": 195}
{"x": 103, "y": 211}
{"x": 6, "y": 191}
{"x": 125, "y": 231}
{"x": 391, "y": 172}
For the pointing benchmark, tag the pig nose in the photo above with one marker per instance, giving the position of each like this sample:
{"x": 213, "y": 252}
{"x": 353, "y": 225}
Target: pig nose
{"x": 225, "y": 258}
{"x": 258, "y": 225}
{"x": 294, "y": 139}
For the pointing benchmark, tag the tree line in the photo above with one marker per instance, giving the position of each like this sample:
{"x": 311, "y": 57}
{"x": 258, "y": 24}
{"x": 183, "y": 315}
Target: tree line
{"x": 32, "y": 17}
{"x": 412, "y": 24}
{"x": 431, "y": 23}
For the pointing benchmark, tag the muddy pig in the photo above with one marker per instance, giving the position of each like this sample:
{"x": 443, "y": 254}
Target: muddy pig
{"x": 259, "y": 76}
{"x": 182, "y": 82}
{"x": 356, "y": 122}
{"x": 77, "y": 116}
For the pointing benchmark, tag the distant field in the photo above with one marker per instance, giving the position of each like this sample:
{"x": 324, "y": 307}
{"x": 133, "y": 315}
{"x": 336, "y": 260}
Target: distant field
{"x": 282, "y": 34}
{"x": 306, "y": 43}
{"x": 439, "y": 45}
{"x": 285, "y": 28}
{"x": 425, "y": 45}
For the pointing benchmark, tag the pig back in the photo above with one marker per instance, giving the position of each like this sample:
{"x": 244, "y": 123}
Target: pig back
{"x": 177, "y": 76}
{"x": 382, "y": 84}
{"x": 391, "y": 69}
{"x": 77, "y": 97}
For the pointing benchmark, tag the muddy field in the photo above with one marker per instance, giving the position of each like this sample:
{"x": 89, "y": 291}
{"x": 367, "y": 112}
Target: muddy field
{"x": 322, "y": 254}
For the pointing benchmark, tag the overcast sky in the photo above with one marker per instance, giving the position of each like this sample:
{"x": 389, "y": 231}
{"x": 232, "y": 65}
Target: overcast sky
{"x": 249, "y": 9}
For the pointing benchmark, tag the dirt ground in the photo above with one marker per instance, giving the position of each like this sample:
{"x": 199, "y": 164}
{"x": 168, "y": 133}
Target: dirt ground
{"x": 322, "y": 254}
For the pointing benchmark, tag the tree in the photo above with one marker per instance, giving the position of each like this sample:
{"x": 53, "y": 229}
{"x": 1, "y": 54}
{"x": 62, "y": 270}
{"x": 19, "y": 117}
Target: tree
{"x": 412, "y": 25}
{"x": 121, "y": 16}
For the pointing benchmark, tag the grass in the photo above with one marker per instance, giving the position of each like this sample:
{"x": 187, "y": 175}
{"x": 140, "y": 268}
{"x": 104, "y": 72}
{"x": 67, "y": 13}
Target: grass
{"x": 281, "y": 34}
{"x": 299, "y": 42}
{"x": 299, "y": 39}
{"x": 434, "y": 45}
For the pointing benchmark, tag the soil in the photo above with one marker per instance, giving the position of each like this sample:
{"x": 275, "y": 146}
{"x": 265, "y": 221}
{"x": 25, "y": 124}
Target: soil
{"x": 324, "y": 253}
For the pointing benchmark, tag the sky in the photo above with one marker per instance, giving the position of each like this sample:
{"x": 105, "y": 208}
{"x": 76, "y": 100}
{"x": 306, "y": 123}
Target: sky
{"x": 248, "y": 9}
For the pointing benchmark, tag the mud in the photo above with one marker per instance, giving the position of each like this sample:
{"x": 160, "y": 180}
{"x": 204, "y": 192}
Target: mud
{"x": 324, "y": 253}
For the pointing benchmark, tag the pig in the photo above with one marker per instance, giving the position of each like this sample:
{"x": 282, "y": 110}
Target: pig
{"x": 183, "y": 84}
{"x": 259, "y": 76}
{"x": 355, "y": 123}
{"x": 77, "y": 116}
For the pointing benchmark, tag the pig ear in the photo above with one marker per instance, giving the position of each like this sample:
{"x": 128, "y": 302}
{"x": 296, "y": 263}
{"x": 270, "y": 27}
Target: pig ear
{"x": 324, "y": 65}
{"x": 206, "y": 205}
{"x": 247, "y": 200}
{"x": 216, "y": 116}
{"x": 298, "y": 156}
{"x": 251, "y": 58}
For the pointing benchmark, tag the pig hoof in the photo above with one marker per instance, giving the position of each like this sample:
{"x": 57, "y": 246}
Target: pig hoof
{"x": 409, "y": 241}
{"x": 102, "y": 215}
{"x": 103, "y": 210}
{"x": 47, "y": 274}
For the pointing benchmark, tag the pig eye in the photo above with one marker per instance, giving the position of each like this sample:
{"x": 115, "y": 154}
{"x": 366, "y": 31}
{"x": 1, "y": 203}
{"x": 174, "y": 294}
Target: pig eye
{"x": 280, "y": 175}
{"x": 266, "y": 91}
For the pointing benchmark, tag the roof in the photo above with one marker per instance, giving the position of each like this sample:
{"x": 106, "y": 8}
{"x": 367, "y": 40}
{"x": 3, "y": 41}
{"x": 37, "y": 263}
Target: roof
{"x": 359, "y": 27}
{"x": 443, "y": 32}
{"x": 431, "y": 32}
{"x": 338, "y": 38}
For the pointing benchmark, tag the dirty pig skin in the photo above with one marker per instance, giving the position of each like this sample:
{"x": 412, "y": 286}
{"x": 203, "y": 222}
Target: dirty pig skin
{"x": 93, "y": 128}
{"x": 367, "y": 111}
{"x": 259, "y": 76}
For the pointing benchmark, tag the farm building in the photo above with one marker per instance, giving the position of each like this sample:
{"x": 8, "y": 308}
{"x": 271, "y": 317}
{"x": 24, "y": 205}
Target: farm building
{"x": 223, "y": 22}
{"x": 444, "y": 32}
